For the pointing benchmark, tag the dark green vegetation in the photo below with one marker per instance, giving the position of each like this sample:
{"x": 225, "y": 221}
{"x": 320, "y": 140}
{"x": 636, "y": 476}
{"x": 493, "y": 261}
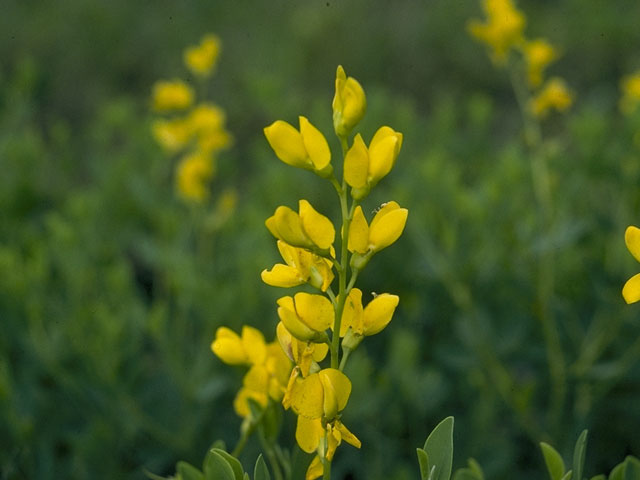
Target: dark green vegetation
{"x": 111, "y": 288}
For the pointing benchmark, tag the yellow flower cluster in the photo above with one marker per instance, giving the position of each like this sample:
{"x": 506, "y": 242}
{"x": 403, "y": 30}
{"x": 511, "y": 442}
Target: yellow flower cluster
{"x": 630, "y": 93}
{"x": 554, "y": 95}
{"x": 269, "y": 367}
{"x": 314, "y": 326}
{"x": 503, "y": 32}
{"x": 194, "y": 131}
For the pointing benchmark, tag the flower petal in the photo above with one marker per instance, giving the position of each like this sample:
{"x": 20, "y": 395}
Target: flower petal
{"x": 315, "y": 144}
{"x": 632, "y": 239}
{"x": 387, "y": 226}
{"x": 315, "y": 470}
{"x": 358, "y": 232}
{"x": 282, "y": 276}
{"x": 356, "y": 164}
{"x": 288, "y": 227}
{"x": 378, "y": 313}
{"x": 227, "y": 346}
{"x": 287, "y": 144}
{"x": 309, "y": 433}
{"x": 316, "y": 226}
{"x": 336, "y": 388}
{"x": 352, "y": 313}
{"x": 254, "y": 344}
{"x": 316, "y": 311}
{"x": 631, "y": 289}
{"x": 307, "y": 397}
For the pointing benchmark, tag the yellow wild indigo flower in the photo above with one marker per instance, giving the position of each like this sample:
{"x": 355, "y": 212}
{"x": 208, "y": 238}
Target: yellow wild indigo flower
{"x": 371, "y": 319}
{"x": 201, "y": 59}
{"x": 172, "y": 135}
{"x": 554, "y": 95}
{"x": 307, "y": 229}
{"x": 365, "y": 167}
{"x": 317, "y": 400}
{"x": 302, "y": 354}
{"x": 630, "y": 93}
{"x": 631, "y": 289}
{"x": 301, "y": 267}
{"x": 502, "y": 30}
{"x": 312, "y": 431}
{"x": 171, "y": 95}
{"x": 305, "y": 148}
{"x": 386, "y": 227}
{"x": 194, "y": 172}
{"x": 306, "y": 316}
{"x": 538, "y": 55}
{"x": 349, "y": 103}
{"x": 269, "y": 371}
{"x": 207, "y": 123}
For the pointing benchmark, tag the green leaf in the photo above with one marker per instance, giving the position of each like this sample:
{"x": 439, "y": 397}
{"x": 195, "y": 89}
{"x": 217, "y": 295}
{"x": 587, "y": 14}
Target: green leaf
{"x": 473, "y": 472}
{"x": 439, "y": 448}
{"x": 188, "y": 472}
{"x": 153, "y": 476}
{"x": 423, "y": 460}
{"x": 216, "y": 467}
{"x": 632, "y": 468}
{"x": 477, "y": 469}
{"x": 234, "y": 463}
{"x": 261, "y": 472}
{"x": 599, "y": 477}
{"x": 568, "y": 475}
{"x": 246, "y": 477}
{"x": 579, "y": 454}
{"x": 618, "y": 472}
{"x": 554, "y": 462}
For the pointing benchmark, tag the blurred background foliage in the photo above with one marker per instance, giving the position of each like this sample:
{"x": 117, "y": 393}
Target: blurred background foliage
{"x": 111, "y": 288}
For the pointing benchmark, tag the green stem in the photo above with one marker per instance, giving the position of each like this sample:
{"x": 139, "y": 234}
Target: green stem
{"x": 326, "y": 463}
{"x": 345, "y": 356}
{"x": 541, "y": 183}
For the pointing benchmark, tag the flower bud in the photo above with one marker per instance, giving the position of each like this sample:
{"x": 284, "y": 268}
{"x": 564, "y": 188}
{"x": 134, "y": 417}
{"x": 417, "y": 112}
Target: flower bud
{"x": 349, "y": 103}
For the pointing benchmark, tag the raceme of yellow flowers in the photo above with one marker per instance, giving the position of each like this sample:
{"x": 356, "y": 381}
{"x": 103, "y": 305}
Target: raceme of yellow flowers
{"x": 194, "y": 131}
{"x": 318, "y": 331}
{"x": 503, "y": 32}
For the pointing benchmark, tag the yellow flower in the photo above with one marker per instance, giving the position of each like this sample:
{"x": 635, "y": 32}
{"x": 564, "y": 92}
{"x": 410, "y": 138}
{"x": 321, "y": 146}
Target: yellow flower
{"x": 320, "y": 395}
{"x": 630, "y": 93}
{"x": 301, "y": 267}
{"x": 303, "y": 354}
{"x": 307, "y": 229}
{"x": 538, "y": 55}
{"x": 248, "y": 349}
{"x": 554, "y": 95}
{"x": 364, "y": 168}
{"x": 310, "y": 431}
{"x": 201, "y": 59}
{"x": 385, "y": 229}
{"x": 349, "y": 103}
{"x": 631, "y": 289}
{"x": 502, "y": 30}
{"x": 306, "y": 316}
{"x": 172, "y": 135}
{"x": 306, "y": 148}
{"x": 270, "y": 368}
{"x": 194, "y": 172}
{"x": 371, "y": 319}
{"x": 171, "y": 95}
{"x": 206, "y": 121}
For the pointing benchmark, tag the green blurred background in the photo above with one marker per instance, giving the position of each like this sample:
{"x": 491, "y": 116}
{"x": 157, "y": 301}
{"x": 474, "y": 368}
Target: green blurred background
{"x": 111, "y": 288}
